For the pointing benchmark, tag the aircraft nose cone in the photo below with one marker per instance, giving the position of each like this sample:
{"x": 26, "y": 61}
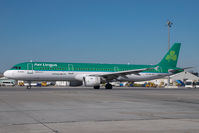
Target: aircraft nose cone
{"x": 7, "y": 74}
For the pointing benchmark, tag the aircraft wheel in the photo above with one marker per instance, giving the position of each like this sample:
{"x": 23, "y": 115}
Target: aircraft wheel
{"x": 108, "y": 86}
{"x": 28, "y": 87}
{"x": 96, "y": 87}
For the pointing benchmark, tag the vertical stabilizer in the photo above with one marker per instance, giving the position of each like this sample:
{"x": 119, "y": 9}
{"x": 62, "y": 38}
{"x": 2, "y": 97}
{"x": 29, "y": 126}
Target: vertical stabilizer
{"x": 171, "y": 58}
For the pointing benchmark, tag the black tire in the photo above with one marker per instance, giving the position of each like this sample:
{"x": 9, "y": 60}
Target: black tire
{"x": 108, "y": 86}
{"x": 96, "y": 87}
{"x": 28, "y": 87}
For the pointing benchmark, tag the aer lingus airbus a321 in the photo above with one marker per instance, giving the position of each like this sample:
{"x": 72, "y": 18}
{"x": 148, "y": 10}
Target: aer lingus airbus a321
{"x": 92, "y": 74}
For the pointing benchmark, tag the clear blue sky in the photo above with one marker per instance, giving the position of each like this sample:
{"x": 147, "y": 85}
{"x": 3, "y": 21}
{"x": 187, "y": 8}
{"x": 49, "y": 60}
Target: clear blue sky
{"x": 100, "y": 31}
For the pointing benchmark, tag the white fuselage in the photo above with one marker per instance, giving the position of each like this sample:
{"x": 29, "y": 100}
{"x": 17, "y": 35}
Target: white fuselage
{"x": 33, "y": 75}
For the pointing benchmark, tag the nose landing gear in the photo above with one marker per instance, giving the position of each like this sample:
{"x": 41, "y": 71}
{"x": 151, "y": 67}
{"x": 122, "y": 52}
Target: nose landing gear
{"x": 29, "y": 85}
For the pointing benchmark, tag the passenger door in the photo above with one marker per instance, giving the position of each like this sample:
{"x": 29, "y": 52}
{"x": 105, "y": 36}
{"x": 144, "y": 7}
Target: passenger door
{"x": 30, "y": 68}
{"x": 116, "y": 69}
{"x": 70, "y": 67}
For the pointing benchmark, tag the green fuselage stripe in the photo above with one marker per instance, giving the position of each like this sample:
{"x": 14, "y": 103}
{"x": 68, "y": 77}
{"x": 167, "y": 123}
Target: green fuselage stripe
{"x": 88, "y": 67}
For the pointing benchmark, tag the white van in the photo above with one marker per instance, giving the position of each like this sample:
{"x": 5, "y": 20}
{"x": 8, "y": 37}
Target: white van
{"x": 7, "y": 83}
{"x": 189, "y": 84}
{"x": 197, "y": 84}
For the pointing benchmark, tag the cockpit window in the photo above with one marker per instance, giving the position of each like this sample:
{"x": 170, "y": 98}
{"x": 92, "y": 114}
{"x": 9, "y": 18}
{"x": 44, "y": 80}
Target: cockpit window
{"x": 16, "y": 67}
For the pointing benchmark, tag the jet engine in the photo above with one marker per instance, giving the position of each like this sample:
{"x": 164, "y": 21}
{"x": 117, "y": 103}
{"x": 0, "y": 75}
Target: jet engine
{"x": 91, "y": 81}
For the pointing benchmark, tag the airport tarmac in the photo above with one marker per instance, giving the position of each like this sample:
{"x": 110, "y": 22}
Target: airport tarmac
{"x": 85, "y": 110}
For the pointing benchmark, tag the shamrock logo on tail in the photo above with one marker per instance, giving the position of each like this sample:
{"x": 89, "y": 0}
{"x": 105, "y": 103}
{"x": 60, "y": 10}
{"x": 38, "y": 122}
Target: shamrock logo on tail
{"x": 172, "y": 56}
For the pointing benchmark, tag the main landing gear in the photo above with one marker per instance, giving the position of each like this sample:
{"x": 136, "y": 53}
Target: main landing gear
{"x": 96, "y": 87}
{"x": 108, "y": 86}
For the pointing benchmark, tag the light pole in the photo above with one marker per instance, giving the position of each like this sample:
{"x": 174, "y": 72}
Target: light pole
{"x": 169, "y": 24}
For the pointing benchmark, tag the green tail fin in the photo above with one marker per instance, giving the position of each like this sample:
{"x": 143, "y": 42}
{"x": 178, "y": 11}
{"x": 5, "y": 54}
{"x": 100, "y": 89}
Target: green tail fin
{"x": 171, "y": 58}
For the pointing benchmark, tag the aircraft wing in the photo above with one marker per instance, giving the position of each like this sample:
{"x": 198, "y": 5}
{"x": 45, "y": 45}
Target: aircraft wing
{"x": 114, "y": 75}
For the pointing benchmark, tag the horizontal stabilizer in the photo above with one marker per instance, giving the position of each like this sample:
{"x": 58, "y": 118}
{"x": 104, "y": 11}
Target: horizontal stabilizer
{"x": 180, "y": 69}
